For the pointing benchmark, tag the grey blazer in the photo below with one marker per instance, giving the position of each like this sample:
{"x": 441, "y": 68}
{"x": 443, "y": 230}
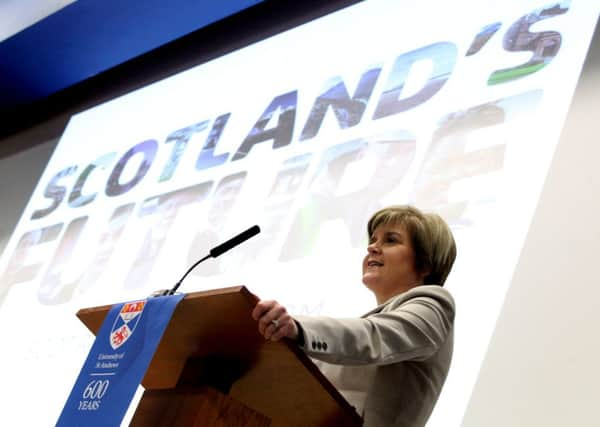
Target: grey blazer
{"x": 391, "y": 363}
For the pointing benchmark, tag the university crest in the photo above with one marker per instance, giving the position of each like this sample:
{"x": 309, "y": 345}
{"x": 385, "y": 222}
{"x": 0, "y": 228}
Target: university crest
{"x": 125, "y": 323}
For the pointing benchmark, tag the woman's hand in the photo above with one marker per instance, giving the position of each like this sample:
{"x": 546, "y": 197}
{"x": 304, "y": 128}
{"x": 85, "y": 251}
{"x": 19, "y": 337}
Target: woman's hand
{"x": 274, "y": 322}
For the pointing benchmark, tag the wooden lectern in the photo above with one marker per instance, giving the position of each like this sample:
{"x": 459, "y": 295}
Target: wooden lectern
{"x": 212, "y": 368}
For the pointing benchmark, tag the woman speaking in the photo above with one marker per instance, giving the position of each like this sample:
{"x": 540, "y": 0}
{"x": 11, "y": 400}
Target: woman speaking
{"x": 391, "y": 363}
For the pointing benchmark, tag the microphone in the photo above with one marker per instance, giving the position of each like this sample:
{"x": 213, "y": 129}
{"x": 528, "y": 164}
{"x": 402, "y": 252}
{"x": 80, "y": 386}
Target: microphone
{"x": 219, "y": 250}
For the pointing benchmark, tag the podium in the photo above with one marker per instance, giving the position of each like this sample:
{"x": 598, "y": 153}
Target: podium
{"x": 213, "y": 369}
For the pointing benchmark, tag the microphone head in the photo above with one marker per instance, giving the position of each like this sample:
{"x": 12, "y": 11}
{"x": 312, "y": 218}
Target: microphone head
{"x": 234, "y": 241}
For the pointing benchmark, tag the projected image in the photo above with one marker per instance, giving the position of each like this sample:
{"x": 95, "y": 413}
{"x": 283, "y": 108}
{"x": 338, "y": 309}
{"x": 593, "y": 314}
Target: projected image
{"x": 377, "y": 168}
{"x": 306, "y": 134}
{"x": 146, "y": 150}
{"x": 543, "y": 45}
{"x": 18, "y": 269}
{"x": 443, "y": 56}
{"x": 54, "y": 192}
{"x": 179, "y": 140}
{"x": 207, "y": 159}
{"x": 106, "y": 246}
{"x": 78, "y": 197}
{"x": 282, "y": 109}
{"x": 279, "y": 202}
{"x": 52, "y": 289}
{"x": 213, "y": 230}
{"x": 348, "y": 111}
{"x": 483, "y": 37}
{"x": 159, "y": 214}
{"x": 451, "y": 158}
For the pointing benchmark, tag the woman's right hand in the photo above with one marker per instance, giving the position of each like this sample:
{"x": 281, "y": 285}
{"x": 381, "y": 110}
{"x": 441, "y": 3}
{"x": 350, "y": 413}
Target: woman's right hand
{"x": 274, "y": 322}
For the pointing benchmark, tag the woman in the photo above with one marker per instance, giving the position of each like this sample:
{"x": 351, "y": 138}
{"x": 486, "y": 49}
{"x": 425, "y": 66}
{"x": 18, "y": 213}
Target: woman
{"x": 392, "y": 362}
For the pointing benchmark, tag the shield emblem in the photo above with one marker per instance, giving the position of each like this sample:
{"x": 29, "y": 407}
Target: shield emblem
{"x": 125, "y": 323}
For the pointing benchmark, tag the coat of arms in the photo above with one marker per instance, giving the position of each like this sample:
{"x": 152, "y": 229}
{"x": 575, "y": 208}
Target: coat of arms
{"x": 125, "y": 323}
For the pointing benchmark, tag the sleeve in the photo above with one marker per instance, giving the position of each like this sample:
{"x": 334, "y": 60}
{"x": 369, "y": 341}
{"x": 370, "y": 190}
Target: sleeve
{"x": 406, "y": 329}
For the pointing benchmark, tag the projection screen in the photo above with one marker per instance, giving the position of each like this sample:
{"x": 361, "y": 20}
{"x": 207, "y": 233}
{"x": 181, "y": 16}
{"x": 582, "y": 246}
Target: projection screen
{"x": 453, "y": 107}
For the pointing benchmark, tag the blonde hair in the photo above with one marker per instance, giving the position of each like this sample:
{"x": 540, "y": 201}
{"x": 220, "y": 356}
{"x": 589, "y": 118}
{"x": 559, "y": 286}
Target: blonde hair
{"x": 432, "y": 240}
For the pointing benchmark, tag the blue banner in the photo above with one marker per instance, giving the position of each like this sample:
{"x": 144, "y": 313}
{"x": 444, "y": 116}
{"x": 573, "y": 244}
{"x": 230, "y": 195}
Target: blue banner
{"x": 117, "y": 362}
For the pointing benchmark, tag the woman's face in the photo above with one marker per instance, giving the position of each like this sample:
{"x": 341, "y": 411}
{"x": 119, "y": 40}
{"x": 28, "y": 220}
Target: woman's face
{"x": 389, "y": 267}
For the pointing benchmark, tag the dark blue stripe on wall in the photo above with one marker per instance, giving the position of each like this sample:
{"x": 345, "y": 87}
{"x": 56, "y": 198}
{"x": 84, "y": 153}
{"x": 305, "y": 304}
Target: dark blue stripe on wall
{"x": 91, "y": 36}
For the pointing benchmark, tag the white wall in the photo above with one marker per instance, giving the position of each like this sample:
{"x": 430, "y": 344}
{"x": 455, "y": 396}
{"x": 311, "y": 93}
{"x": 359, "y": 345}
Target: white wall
{"x": 19, "y": 173}
{"x": 543, "y": 364}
